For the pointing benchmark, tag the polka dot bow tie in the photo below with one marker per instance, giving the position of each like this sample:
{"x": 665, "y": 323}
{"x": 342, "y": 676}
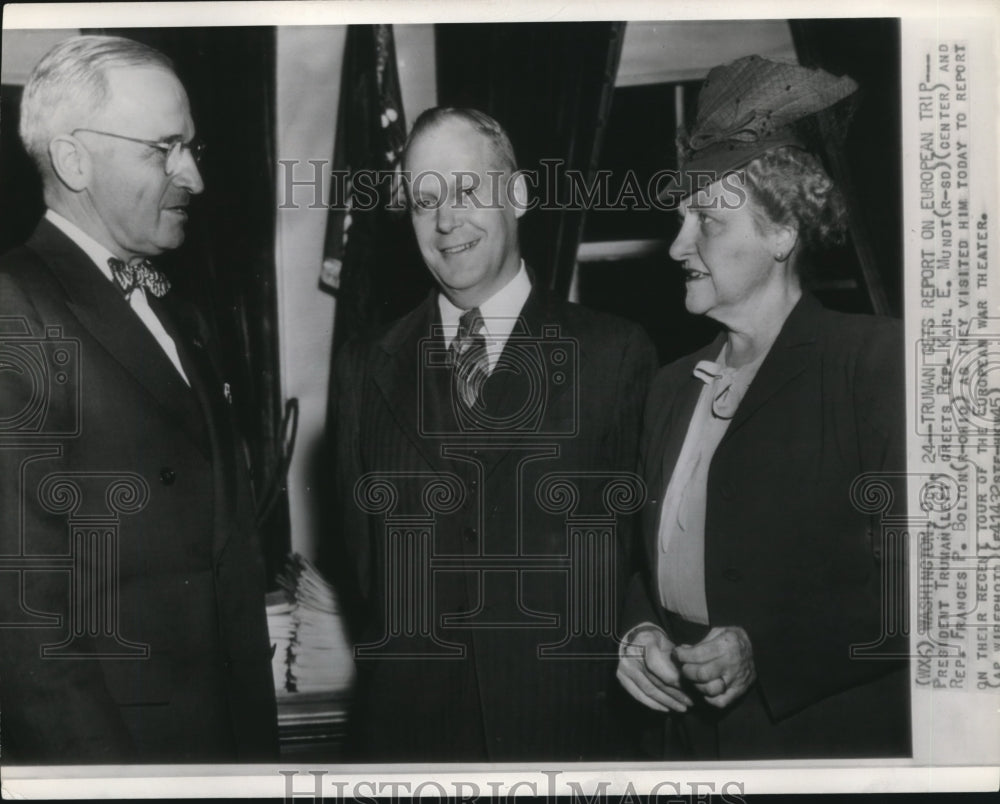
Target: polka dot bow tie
{"x": 138, "y": 274}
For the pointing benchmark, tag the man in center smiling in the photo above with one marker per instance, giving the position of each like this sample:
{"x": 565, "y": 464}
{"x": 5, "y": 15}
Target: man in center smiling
{"x": 476, "y": 645}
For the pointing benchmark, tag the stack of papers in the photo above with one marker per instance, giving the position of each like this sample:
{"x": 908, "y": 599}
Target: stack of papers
{"x": 281, "y": 629}
{"x": 312, "y": 653}
{"x": 312, "y": 664}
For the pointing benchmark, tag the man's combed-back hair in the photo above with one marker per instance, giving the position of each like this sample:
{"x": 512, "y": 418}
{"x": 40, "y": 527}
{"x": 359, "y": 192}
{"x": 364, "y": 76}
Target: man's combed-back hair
{"x": 69, "y": 85}
{"x": 480, "y": 122}
{"x": 791, "y": 187}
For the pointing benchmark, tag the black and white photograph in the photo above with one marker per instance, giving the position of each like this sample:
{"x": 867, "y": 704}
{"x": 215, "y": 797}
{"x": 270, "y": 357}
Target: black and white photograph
{"x": 400, "y": 399}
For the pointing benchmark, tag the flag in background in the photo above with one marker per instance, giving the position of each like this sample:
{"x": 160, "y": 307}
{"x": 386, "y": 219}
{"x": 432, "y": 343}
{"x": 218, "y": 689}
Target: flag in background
{"x": 371, "y": 131}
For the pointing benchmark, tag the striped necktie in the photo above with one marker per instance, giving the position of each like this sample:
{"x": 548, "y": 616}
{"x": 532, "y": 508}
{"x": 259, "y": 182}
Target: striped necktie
{"x": 470, "y": 360}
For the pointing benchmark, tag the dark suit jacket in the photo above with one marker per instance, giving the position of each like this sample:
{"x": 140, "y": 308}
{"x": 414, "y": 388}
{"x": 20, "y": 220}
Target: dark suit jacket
{"x": 120, "y": 452}
{"x": 787, "y": 555}
{"x": 565, "y": 400}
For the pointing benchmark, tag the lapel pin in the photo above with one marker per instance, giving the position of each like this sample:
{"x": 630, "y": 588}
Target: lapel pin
{"x": 227, "y": 393}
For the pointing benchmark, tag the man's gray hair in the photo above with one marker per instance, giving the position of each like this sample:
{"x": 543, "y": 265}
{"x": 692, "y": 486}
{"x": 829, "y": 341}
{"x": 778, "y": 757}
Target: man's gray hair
{"x": 69, "y": 85}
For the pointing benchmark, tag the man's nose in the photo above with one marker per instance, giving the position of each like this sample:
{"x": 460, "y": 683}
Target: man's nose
{"x": 447, "y": 217}
{"x": 188, "y": 176}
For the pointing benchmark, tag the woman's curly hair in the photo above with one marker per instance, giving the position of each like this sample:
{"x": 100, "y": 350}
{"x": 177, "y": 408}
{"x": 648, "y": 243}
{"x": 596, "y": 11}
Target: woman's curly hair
{"x": 790, "y": 186}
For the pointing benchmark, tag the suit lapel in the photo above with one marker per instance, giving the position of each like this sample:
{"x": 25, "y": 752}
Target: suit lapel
{"x": 789, "y": 356}
{"x": 185, "y": 328}
{"x": 513, "y": 379}
{"x": 107, "y": 315}
{"x": 201, "y": 372}
{"x": 405, "y": 385}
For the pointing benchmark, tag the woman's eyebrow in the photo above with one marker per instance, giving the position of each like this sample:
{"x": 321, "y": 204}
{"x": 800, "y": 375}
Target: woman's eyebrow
{"x": 696, "y": 207}
{"x": 703, "y": 204}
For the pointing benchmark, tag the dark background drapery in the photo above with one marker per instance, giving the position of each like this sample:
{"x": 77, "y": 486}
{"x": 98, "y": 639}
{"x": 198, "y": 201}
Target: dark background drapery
{"x": 21, "y": 203}
{"x": 381, "y": 276}
{"x": 869, "y": 169}
{"x": 226, "y": 265}
{"x": 550, "y": 86}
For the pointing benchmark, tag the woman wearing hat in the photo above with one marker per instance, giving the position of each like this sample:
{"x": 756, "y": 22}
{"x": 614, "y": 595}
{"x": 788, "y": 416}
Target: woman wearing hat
{"x": 760, "y": 575}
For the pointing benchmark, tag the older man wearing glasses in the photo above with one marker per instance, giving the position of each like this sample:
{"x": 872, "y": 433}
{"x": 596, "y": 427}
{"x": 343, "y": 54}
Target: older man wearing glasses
{"x": 132, "y": 624}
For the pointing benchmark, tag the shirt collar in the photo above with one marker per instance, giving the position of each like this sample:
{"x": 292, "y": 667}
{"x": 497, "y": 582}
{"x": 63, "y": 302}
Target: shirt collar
{"x": 499, "y": 312}
{"x": 726, "y": 385}
{"x": 97, "y": 253}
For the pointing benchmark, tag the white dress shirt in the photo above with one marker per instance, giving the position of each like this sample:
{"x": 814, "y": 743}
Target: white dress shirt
{"x": 499, "y": 314}
{"x": 137, "y": 298}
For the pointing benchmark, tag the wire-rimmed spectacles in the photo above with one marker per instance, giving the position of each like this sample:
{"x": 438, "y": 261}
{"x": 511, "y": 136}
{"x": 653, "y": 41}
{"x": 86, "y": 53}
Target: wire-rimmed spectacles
{"x": 172, "y": 149}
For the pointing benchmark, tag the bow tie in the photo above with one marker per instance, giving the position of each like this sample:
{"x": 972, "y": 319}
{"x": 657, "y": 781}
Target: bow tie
{"x": 138, "y": 274}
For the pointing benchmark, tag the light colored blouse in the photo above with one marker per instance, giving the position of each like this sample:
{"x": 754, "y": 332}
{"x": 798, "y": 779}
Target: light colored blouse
{"x": 681, "y": 562}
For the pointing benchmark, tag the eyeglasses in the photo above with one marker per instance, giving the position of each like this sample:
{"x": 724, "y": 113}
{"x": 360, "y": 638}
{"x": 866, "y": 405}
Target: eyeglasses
{"x": 173, "y": 149}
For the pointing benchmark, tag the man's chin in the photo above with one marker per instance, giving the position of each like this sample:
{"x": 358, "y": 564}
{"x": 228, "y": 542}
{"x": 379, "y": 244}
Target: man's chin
{"x": 457, "y": 281}
{"x": 173, "y": 238}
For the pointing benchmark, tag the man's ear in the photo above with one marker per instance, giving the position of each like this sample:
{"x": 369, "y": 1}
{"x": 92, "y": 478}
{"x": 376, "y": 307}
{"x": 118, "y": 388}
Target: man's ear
{"x": 70, "y": 162}
{"x": 518, "y": 194}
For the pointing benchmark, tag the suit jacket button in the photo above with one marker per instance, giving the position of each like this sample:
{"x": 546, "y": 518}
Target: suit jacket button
{"x": 733, "y": 575}
{"x": 167, "y": 476}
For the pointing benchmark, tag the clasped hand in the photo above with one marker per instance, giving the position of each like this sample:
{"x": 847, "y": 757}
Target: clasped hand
{"x": 651, "y": 668}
